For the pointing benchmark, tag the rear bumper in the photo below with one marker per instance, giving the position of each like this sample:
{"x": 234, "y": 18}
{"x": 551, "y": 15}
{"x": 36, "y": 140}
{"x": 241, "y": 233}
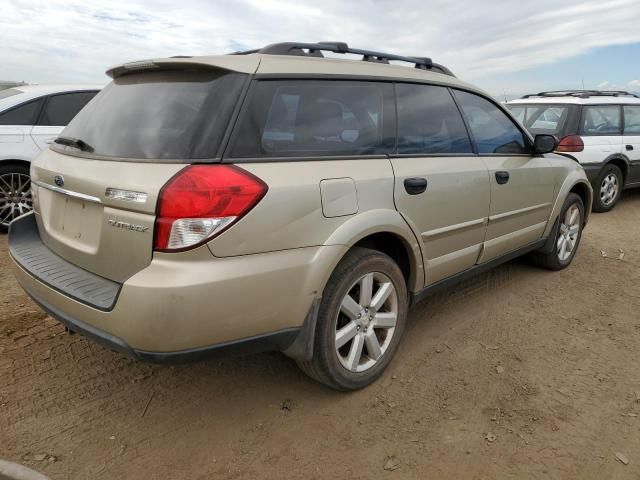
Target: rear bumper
{"x": 260, "y": 343}
{"x": 28, "y": 250}
{"x": 190, "y": 305}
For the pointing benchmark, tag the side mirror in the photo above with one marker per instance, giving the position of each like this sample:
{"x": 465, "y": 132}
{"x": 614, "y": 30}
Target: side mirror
{"x": 544, "y": 144}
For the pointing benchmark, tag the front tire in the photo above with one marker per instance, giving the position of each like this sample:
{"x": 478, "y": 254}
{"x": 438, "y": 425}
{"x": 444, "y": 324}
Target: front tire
{"x": 567, "y": 237}
{"x": 608, "y": 188}
{"x": 360, "y": 321}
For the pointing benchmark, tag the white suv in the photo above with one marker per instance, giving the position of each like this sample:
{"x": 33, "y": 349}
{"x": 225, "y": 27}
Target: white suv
{"x": 600, "y": 129}
{"x": 31, "y": 116}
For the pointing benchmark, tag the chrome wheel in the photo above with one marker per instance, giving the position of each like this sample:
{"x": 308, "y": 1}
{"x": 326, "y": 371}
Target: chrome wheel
{"x": 609, "y": 189}
{"x": 15, "y": 196}
{"x": 568, "y": 234}
{"x": 366, "y": 322}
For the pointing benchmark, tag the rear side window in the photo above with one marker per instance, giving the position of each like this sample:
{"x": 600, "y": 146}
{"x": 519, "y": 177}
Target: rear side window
{"x": 541, "y": 119}
{"x": 632, "y": 120}
{"x": 60, "y": 109}
{"x": 429, "y": 121}
{"x": 24, "y": 114}
{"x": 601, "y": 120}
{"x": 176, "y": 115}
{"x": 492, "y": 130}
{"x": 316, "y": 118}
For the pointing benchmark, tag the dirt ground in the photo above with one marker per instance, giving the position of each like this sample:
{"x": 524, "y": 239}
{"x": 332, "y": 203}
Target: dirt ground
{"x": 519, "y": 373}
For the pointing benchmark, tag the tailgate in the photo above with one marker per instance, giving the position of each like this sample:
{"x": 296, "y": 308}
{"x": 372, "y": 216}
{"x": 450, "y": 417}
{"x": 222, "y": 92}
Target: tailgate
{"x": 98, "y": 215}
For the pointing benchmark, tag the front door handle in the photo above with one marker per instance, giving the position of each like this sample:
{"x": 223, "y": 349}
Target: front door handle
{"x": 502, "y": 177}
{"x": 629, "y": 147}
{"x": 415, "y": 185}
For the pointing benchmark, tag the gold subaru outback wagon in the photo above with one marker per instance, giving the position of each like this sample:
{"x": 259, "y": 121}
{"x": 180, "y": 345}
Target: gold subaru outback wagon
{"x": 277, "y": 199}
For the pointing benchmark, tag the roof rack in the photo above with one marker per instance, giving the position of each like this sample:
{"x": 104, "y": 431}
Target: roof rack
{"x": 316, "y": 49}
{"x": 583, "y": 93}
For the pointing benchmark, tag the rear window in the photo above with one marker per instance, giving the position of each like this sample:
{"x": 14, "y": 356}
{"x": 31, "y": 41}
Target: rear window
{"x": 170, "y": 115}
{"x": 316, "y": 118}
{"x": 541, "y": 119}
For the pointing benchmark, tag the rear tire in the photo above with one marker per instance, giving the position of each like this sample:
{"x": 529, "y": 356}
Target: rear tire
{"x": 15, "y": 193}
{"x": 608, "y": 188}
{"x": 567, "y": 237}
{"x": 360, "y": 321}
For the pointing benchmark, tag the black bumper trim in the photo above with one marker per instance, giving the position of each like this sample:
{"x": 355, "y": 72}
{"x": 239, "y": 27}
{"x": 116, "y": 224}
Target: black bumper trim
{"x": 593, "y": 171}
{"x": 273, "y": 341}
{"x": 267, "y": 342}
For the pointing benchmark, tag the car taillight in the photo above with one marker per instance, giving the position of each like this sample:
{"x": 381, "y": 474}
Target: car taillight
{"x": 570, "y": 143}
{"x": 200, "y": 202}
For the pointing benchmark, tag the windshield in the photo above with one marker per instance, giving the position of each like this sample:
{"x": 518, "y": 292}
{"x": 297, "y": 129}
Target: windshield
{"x": 170, "y": 115}
{"x": 541, "y": 119}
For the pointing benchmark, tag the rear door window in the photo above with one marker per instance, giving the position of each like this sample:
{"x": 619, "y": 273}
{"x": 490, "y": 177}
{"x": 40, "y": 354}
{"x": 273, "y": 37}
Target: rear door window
{"x": 429, "y": 121}
{"x": 492, "y": 130}
{"x": 60, "y": 109}
{"x": 302, "y": 118}
{"x": 632, "y": 120}
{"x": 172, "y": 115}
{"x": 601, "y": 120}
{"x": 24, "y": 114}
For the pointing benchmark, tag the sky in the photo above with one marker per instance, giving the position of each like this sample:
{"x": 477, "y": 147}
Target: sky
{"x": 506, "y": 47}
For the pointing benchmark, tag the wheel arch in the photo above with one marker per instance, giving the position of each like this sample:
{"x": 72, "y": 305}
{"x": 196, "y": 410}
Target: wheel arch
{"x": 386, "y": 231}
{"x": 621, "y": 161}
{"x": 394, "y": 246}
{"x": 575, "y": 182}
{"x": 585, "y": 192}
{"x": 15, "y": 161}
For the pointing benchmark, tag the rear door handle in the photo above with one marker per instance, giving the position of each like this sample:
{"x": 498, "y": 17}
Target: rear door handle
{"x": 415, "y": 185}
{"x": 629, "y": 147}
{"x": 502, "y": 177}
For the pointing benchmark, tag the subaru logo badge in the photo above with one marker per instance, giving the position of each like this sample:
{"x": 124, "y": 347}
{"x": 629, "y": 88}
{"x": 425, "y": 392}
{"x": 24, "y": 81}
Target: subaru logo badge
{"x": 59, "y": 180}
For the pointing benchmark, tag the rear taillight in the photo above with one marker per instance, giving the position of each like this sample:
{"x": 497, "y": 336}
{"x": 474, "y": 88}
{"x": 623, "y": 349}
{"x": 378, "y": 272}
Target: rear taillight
{"x": 200, "y": 202}
{"x": 570, "y": 143}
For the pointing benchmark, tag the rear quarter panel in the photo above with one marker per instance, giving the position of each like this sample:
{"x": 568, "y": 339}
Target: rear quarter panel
{"x": 291, "y": 213}
{"x": 598, "y": 147}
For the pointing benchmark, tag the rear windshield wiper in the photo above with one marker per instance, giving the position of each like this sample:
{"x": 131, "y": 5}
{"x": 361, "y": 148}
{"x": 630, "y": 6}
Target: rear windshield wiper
{"x": 74, "y": 142}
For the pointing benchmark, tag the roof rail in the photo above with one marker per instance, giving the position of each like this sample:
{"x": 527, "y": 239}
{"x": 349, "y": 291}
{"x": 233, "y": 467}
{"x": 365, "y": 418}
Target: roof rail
{"x": 583, "y": 93}
{"x": 316, "y": 49}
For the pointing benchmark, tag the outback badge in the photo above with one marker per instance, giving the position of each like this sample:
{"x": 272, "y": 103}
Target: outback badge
{"x": 127, "y": 226}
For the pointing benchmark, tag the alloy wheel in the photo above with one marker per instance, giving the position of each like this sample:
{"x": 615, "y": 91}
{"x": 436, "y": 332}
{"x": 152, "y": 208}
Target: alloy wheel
{"x": 15, "y": 197}
{"x": 568, "y": 234}
{"x": 609, "y": 189}
{"x": 366, "y": 322}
